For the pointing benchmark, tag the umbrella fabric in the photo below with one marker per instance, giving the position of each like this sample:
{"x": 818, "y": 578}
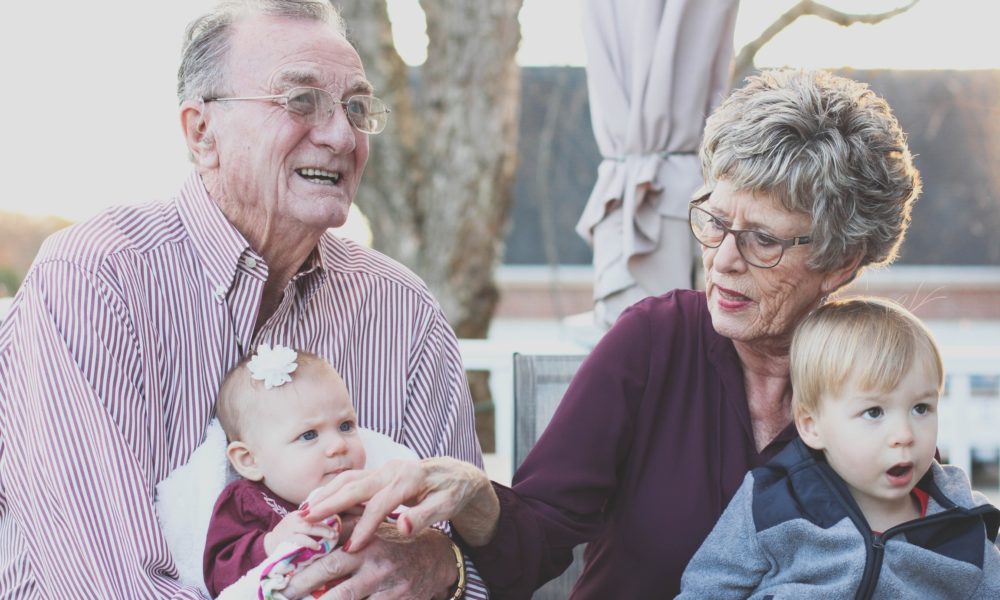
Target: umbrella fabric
{"x": 655, "y": 70}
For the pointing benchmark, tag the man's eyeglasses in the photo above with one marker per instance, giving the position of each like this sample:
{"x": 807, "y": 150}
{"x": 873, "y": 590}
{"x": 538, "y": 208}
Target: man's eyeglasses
{"x": 757, "y": 248}
{"x": 314, "y": 107}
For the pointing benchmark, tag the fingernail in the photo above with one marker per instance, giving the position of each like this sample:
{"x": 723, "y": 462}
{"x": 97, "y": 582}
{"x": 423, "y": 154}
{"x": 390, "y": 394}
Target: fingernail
{"x": 304, "y": 512}
{"x": 304, "y": 505}
{"x": 347, "y": 546}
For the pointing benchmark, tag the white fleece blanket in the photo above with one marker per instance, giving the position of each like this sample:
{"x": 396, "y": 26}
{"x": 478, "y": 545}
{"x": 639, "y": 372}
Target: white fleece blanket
{"x": 184, "y": 502}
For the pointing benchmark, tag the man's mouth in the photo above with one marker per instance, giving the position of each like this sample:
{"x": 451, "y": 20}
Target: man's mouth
{"x": 320, "y": 176}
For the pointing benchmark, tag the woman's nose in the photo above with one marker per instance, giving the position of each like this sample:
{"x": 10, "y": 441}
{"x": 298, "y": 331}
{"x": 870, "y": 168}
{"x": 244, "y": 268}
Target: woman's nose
{"x": 727, "y": 255}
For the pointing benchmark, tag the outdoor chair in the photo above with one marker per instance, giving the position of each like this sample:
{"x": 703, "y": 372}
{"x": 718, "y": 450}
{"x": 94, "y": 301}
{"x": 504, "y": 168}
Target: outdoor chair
{"x": 539, "y": 384}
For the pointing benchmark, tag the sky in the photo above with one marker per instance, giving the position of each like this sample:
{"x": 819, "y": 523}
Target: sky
{"x": 91, "y": 113}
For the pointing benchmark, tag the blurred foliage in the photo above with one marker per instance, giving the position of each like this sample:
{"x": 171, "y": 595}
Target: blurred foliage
{"x": 20, "y": 238}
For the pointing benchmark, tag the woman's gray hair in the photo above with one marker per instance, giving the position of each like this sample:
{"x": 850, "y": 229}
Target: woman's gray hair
{"x": 823, "y": 145}
{"x": 206, "y": 42}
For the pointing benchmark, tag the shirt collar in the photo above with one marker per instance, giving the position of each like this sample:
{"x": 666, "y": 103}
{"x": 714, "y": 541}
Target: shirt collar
{"x": 218, "y": 244}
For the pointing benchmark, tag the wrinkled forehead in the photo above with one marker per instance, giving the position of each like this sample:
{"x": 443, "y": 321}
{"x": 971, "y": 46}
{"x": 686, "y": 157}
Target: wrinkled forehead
{"x": 272, "y": 53}
{"x": 750, "y": 209}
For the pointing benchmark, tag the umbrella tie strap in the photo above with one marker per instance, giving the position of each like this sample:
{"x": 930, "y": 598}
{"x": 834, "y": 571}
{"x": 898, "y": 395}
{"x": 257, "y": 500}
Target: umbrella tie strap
{"x": 661, "y": 154}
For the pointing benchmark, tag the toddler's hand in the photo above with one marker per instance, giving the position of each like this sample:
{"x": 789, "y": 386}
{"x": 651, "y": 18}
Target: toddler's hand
{"x": 296, "y": 530}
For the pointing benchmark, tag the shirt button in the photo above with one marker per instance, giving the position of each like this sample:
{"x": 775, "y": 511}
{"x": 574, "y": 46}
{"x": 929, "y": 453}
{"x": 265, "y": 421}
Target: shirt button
{"x": 220, "y": 291}
{"x": 250, "y": 262}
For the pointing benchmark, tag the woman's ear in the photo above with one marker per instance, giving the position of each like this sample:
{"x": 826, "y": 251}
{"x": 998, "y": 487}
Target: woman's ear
{"x": 243, "y": 461}
{"x": 841, "y": 276}
{"x": 805, "y": 423}
{"x": 200, "y": 142}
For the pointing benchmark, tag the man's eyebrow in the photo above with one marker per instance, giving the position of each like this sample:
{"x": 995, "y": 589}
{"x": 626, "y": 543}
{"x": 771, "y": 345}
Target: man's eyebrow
{"x": 361, "y": 86}
{"x": 308, "y": 78}
{"x": 298, "y": 78}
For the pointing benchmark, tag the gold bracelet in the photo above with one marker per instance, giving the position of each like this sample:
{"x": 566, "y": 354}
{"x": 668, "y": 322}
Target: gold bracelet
{"x": 460, "y": 563}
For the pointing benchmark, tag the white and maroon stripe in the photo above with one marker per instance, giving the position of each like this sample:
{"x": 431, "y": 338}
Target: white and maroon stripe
{"x": 111, "y": 356}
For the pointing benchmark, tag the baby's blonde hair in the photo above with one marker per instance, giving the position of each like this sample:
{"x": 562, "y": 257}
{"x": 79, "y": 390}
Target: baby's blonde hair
{"x": 239, "y": 392}
{"x": 873, "y": 338}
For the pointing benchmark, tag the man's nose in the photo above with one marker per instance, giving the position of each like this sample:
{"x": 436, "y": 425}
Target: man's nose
{"x": 336, "y": 131}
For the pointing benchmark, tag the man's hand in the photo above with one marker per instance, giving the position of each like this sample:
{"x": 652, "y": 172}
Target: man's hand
{"x": 391, "y": 566}
{"x": 296, "y": 530}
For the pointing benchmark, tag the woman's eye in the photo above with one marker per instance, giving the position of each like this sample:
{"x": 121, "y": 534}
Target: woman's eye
{"x": 763, "y": 240}
{"x": 873, "y": 412}
{"x": 309, "y": 435}
{"x": 715, "y": 224}
{"x": 346, "y": 426}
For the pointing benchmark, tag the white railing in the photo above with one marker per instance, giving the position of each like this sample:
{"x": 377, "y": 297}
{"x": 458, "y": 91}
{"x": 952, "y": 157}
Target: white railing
{"x": 969, "y": 420}
{"x": 497, "y": 357}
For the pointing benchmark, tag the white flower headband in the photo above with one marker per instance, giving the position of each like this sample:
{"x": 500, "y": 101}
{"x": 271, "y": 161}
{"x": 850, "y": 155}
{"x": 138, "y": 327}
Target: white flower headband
{"x": 273, "y": 366}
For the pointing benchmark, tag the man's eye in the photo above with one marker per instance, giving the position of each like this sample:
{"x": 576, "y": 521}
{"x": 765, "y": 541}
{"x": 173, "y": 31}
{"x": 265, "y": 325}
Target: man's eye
{"x": 303, "y": 102}
{"x": 873, "y": 412}
{"x": 357, "y": 106}
{"x": 346, "y": 426}
{"x": 309, "y": 435}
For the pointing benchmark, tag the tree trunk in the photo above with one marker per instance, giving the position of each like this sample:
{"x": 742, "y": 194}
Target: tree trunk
{"x": 438, "y": 189}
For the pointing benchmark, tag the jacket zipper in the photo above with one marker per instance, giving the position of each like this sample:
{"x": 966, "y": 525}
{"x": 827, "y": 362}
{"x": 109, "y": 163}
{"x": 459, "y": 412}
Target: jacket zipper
{"x": 876, "y": 544}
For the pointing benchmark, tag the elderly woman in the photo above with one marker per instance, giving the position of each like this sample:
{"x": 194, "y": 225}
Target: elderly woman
{"x": 808, "y": 181}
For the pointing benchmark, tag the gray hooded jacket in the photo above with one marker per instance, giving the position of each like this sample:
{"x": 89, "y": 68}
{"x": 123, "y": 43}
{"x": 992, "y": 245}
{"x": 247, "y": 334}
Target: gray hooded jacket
{"x": 793, "y": 531}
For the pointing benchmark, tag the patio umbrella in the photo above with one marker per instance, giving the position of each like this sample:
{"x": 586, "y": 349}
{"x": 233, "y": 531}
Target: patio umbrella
{"x": 655, "y": 70}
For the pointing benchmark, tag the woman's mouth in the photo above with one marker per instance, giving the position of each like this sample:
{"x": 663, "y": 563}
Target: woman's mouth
{"x": 900, "y": 475}
{"x": 730, "y": 299}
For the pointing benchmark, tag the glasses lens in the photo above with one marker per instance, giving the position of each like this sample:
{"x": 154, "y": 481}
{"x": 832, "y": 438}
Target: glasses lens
{"x": 307, "y": 103}
{"x": 706, "y": 228}
{"x": 760, "y": 249}
{"x": 367, "y": 113}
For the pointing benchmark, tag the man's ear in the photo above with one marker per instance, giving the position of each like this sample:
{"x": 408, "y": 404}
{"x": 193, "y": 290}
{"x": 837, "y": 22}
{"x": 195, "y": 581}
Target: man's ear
{"x": 841, "y": 276}
{"x": 805, "y": 423}
{"x": 243, "y": 461}
{"x": 197, "y": 134}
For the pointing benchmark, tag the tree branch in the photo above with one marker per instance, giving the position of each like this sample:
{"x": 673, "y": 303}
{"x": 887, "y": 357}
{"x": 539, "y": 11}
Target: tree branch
{"x": 745, "y": 59}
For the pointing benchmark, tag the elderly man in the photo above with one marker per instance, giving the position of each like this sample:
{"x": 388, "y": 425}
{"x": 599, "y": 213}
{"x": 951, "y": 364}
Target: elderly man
{"x": 115, "y": 346}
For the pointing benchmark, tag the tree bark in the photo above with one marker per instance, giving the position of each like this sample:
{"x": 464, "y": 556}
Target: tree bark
{"x": 439, "y": 185}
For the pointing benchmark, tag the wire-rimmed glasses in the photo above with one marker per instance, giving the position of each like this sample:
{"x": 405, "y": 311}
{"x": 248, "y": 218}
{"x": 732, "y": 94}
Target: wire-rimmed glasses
{"x": 759, "y": 249}
{"x": 314, "y": 106}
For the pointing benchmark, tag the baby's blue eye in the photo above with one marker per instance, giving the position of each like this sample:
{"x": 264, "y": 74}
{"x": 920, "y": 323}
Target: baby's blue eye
{"x": 309, "y": 435}
{"x": 873, "y": 412}
{"x": 922, "y": 409}
{"x": 346, "y": 426}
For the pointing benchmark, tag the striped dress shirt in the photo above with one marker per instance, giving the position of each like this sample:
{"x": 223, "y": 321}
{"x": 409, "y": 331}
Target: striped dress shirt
{"x": 111, "y": 357}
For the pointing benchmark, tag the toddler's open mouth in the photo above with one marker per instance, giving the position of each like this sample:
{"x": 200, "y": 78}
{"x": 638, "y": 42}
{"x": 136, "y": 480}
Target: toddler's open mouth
{"x": 900, "y": 474}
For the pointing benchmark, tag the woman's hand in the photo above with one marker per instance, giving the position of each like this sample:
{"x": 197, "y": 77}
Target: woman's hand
{"x": 434, "y": 489}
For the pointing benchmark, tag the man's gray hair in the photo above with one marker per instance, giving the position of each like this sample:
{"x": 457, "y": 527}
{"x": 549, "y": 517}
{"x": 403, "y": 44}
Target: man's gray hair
{"x": 206, "y": 42}
{"x": 823, "y": 145}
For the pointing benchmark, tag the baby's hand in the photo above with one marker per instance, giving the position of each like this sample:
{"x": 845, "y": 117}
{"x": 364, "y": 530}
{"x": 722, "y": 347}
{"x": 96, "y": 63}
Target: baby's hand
{"x": 299, "y": 532}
